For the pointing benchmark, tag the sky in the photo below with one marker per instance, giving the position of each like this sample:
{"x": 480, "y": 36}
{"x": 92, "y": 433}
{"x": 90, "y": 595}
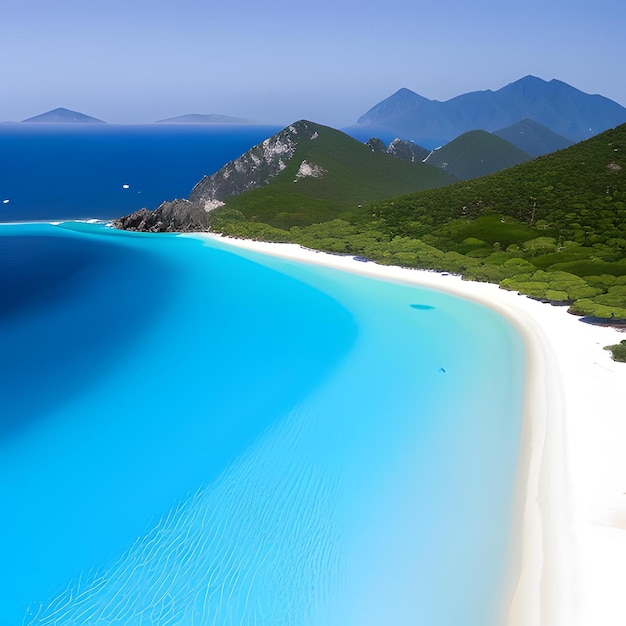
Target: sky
{"x": 137, "y": 61}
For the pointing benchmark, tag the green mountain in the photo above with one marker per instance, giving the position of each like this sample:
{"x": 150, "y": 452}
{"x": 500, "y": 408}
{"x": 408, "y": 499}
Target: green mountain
{"x": 476, "y": 153}
{"x": 533, "y": 138}
{"x": 304, "y": 174}
{"x": 310, "y": 173}
{"x": 579, "y": 191}
{"x": 553, "y": 228}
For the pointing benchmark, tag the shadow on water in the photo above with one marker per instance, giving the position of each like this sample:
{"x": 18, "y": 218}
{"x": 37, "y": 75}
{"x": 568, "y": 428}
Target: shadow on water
{"x": 68, "y": 308}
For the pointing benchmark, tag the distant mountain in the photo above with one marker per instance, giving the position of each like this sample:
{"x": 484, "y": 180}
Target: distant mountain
{"x": 211, "y": 118}
{"x": 533, "y": 138}
{"x": 477, "y": 153}
{"x": 554, "y": 104}
{"x": 63, "y": 116}
{"x": 304, "y": 174}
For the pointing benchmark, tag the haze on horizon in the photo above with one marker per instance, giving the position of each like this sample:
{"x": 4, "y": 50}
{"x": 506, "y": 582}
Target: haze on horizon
{"x": 276, "y": 62}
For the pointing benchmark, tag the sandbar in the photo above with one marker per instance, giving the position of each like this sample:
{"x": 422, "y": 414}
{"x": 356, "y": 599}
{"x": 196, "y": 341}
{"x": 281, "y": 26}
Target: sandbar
{"x": 571, "y": 487}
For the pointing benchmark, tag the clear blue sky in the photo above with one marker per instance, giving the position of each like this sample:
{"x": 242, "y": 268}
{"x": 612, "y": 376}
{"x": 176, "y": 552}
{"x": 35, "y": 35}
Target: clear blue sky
{"x": 276, "y": 61}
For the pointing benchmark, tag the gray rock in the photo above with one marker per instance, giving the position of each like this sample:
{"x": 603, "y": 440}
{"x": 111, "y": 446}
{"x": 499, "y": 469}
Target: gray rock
{"x": 255, "y": 168}
{"x": 376, "y": 145}
{"x": 407, "y": 151}
{"x": 174, "y": 216}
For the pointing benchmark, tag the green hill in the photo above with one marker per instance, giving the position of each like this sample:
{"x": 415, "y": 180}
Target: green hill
{"x": 324, "y": 174}
{"x": 576, "y": 194}
{"x": 533, "y": 138}
{"x": 553, "y": 228}
{"x": 476, "y": 153}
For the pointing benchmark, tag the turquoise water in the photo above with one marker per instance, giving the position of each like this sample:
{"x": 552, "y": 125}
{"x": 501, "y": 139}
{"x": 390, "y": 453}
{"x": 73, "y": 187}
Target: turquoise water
{"x": 195, "y": 434}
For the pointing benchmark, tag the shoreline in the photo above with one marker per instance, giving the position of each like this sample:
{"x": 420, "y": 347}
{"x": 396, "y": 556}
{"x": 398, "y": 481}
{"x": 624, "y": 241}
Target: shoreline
{"x": 571, "y": 482}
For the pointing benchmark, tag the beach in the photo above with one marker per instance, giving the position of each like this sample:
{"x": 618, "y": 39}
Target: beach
{"x": 571, "y": 490}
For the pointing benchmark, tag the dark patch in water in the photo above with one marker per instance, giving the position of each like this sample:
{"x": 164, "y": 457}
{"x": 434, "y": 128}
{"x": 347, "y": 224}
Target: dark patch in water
{"x": 36, "y": 270}
{"x": 68, "y": 309}
{"x": 422, "y": 307}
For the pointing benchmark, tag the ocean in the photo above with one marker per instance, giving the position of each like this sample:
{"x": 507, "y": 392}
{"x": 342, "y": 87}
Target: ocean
{"x": 197, "y": 434}
{"x": 77, "y": 171}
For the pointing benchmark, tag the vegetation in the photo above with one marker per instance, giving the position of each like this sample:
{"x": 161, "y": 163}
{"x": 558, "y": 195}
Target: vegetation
{"x": 352, "y": 175}
{"x": 533, "y": 138}
{"x": 553, "y": 228}
{"x": 477, "y": 153}
{"x": 618, "y": 351}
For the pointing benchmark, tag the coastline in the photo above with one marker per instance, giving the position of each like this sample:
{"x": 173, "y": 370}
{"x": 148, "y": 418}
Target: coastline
{"x": 571, "y": 484}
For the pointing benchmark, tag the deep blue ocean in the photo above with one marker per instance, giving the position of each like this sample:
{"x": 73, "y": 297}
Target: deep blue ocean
{"x": 64, "y": 171}
{"x": 191, "y": 433}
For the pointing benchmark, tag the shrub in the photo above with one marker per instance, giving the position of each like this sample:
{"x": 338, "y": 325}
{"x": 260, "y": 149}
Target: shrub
{"x": 587, "y": 307}
{"x": 618, "y": 351}
{"x": 540, "y": 245}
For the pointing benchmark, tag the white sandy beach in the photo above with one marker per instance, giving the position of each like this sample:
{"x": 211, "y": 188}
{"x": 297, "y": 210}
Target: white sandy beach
{"x": 572, "y": 464}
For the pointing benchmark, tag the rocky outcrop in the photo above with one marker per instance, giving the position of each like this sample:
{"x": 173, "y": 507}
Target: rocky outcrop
{"x": 291, "y": 151}
{"x": 310, "y": 170}
{"x": 376, "y": 145}
{"x": 255, "y": 168}
{"x": 407, "y": 151}
{"x": 174, "y": 216}
{"x": 399, "y": 148}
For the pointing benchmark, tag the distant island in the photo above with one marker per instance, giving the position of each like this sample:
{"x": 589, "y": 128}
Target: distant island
{"x": 210, "y": 118}
{"x": 63, "y": 116}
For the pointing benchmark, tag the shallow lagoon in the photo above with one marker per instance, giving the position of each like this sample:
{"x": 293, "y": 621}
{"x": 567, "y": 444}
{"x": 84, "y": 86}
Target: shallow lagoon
{"x": 207, "y": 435}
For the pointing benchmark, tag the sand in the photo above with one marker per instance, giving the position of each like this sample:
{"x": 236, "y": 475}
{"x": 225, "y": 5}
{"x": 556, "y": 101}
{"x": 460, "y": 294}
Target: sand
{"x": 572, "y": 469}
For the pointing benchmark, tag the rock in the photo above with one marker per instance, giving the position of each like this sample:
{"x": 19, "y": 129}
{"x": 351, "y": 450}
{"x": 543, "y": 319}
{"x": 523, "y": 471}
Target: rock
{"x": 174, "y": 216}
{"x": 407, "y": 151}
{"x": 257, "y": 167}
{"x": 376, "y": 145}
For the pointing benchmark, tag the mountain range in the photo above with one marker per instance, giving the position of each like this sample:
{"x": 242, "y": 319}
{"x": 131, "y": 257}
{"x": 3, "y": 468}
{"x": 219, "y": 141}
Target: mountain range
{"x": 308, "y": 172}
{"x": 556, "y": 105}
{"x": 537, "y": 116}
{"x": 477, "y": 152}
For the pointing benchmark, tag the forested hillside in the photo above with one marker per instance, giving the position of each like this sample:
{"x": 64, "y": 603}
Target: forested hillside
{"x": 553, "y": 228}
